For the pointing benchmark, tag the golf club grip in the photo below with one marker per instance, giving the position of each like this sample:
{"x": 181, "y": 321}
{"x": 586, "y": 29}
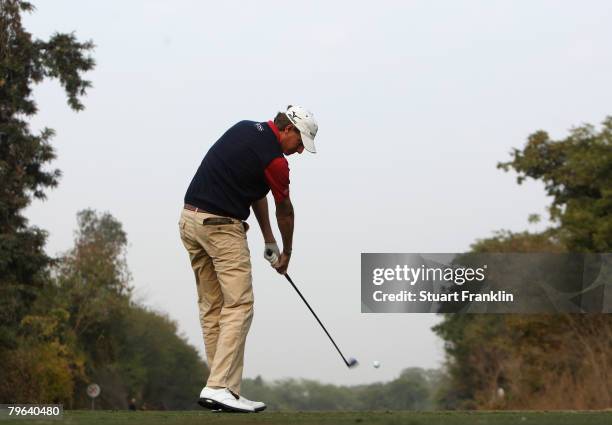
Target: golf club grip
{"x": 317, "y": 317}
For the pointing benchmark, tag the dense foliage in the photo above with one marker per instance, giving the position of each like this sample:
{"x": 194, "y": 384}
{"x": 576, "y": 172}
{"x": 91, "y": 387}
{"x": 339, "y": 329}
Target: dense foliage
{"x": 552, "y": 361}
{"x": 26, "y": 339}
{"x": 25, "y": 62}
{"x": 577, "y": 174}
{"x": 83, "y": 328}
{"x": 68, "y": 321}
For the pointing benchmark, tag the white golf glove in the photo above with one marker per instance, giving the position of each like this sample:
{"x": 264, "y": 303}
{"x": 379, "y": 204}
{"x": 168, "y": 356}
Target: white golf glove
{"x": 271, "y": 252}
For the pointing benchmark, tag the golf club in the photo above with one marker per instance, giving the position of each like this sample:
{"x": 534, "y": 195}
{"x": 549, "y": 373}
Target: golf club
{"x": 351, "y": 362}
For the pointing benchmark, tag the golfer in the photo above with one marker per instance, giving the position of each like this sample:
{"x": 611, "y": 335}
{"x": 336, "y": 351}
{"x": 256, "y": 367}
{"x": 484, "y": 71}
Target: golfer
{"x": 234, "y": 177}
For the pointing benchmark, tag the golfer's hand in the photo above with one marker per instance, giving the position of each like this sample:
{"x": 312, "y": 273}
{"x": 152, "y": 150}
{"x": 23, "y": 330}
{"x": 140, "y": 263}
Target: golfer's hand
{"x": 271, "y": 253}
{"x": 283, "y": 263}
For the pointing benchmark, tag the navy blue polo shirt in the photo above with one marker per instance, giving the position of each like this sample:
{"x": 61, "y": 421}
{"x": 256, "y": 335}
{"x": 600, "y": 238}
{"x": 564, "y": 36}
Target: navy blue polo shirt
{"x": 231, "y": 176}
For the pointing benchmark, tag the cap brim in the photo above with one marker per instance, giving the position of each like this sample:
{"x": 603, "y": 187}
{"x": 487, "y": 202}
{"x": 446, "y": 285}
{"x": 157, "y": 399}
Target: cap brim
{"x": 308, "y": 142}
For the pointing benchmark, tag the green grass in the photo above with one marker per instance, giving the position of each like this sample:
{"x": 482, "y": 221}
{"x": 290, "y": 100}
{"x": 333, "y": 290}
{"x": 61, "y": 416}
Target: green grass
{"x": 328, "y": 418}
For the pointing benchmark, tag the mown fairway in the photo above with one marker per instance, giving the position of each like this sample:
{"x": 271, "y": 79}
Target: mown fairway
{"x": 331, "y": 418}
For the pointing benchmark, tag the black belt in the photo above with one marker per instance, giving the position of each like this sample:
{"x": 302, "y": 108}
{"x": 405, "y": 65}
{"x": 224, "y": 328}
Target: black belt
{"x": 217, "y": 220}
{"x": 192, "y": 208}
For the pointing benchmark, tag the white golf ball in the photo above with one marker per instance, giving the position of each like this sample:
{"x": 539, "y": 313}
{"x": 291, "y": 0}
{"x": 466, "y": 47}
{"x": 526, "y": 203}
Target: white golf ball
{"x": 376, "y": 364}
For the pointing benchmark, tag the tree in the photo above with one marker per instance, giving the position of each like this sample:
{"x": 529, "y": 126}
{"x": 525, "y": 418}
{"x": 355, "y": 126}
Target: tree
{"x": 93, "y": 284}
{"x": 25, "y": 62}
{"x": 156, "y": 365}
{"x": 76, "y": 324}
{"x": 34, "y": 363}
{"x": 129, "y": 350}
{"x": 577, "y": 173}
{"x": 485, "y": 352}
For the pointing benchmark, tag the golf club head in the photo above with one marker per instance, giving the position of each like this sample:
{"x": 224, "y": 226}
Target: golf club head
{"x": 352, "y": 362}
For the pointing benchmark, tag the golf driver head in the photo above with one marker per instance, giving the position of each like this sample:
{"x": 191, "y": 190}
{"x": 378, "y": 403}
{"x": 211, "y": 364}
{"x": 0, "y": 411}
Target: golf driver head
{"x": 352, "y": 362}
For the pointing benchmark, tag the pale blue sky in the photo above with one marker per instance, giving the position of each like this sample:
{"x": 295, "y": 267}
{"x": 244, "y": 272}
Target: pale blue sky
{"x": 416, "y": 101}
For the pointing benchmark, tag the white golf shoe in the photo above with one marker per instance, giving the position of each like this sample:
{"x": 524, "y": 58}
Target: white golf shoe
{"x": 258, "y": 406}
{"x": 222, "y": 398}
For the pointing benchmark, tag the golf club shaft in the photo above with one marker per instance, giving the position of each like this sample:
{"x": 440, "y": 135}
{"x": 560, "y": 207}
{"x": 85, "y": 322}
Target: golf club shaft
{"x": 316, "y": 317}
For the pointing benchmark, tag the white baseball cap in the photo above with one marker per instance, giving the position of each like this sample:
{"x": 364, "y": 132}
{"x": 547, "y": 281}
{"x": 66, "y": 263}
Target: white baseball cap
{"x": 305, "y": 122}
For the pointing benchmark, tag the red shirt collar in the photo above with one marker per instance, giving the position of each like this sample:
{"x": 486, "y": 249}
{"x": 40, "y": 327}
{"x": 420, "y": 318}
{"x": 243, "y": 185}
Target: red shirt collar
{"x": 275, "y": 130}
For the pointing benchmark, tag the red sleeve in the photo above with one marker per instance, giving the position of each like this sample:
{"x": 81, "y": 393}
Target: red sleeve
{"x": 277, "y": 176}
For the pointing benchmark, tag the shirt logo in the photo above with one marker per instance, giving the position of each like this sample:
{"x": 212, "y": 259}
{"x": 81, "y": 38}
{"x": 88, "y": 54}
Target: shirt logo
{"x": 259, "y": 127}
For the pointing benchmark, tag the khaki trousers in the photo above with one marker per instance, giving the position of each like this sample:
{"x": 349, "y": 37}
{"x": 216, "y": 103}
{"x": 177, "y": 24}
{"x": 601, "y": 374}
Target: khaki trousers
{"x": 220, "y": 260}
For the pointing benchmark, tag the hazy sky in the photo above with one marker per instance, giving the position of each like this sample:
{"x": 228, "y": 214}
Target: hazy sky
{"x": 416, "y": 102}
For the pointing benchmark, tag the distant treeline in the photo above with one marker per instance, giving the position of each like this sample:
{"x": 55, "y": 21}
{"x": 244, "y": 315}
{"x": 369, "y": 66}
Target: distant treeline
{"x": 414, "y": 389}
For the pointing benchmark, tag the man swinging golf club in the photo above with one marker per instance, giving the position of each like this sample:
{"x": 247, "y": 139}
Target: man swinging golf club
{"x": 235, "y": 176}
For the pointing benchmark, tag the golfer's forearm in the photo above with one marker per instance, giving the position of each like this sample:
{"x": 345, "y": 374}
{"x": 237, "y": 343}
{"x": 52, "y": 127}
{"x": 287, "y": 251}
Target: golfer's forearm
{"x": 285, "y": 218}
{"x": 260, "y": 208}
